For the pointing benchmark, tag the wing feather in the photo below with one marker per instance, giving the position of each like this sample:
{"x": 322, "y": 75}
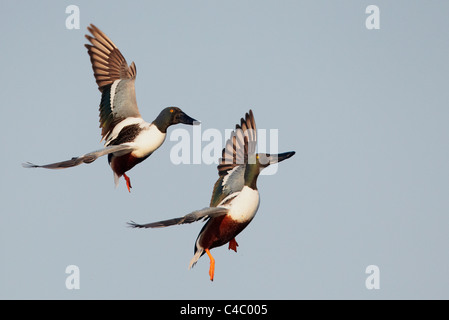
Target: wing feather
{"x": 208, "y": 212}
{"x": 87, "y": 158}
{"x": 241, "y": 143}
{"x": 118, "y": 101}
{"x": 235, "y": 154}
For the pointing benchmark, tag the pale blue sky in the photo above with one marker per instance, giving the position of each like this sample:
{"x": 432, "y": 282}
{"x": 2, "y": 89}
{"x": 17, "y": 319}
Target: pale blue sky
{"x": 365, "y": 110}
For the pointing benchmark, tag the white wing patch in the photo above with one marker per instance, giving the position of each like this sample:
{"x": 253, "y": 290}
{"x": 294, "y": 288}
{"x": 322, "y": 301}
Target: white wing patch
{"x": 226, "y": 177}
{"x": 234, "y": 180}
{"x": 112, "y": 93}
{"x": 115, "y": 132}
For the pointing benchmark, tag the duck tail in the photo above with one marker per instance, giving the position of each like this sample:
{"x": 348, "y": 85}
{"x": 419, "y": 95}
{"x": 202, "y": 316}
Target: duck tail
{"x": 198, "y": 253}
{"x": 116, "y": 179}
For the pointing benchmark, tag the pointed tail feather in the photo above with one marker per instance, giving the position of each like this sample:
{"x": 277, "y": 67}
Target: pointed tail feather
{"x": 199, "y": 252}
{"x": 116, "y": 179}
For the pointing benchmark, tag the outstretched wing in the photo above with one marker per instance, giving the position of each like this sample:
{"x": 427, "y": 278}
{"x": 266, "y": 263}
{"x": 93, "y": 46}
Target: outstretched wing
{"x": 87, "y": 158}
{"x": 242, "y": 143}
{"x": 209, "y": 212}
{"x": 231, "y": 168}
{"x": 115, "y": 79}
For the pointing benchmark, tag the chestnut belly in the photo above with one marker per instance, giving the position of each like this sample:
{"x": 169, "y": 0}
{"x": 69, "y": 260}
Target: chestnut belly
{"x": 124, "y": 163}
{"x": 219, "y": 231}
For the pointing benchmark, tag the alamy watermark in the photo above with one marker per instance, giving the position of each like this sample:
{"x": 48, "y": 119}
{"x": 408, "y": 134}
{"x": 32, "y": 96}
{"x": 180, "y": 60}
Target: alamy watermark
{"x": 72, "y": 282}
{"x": 373, "y": 280}
{"x": 205, "y": 147}
{"x": 73, "y": 20}
{"x": 372, "y": 22}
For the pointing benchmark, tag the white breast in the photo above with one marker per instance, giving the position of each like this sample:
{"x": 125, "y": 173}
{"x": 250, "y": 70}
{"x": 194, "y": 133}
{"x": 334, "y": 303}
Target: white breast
{"x": 148, "y": 140}
{"x": 244, "y": 206}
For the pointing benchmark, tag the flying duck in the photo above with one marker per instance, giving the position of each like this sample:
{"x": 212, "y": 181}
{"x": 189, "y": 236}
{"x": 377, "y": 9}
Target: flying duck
{"x": 235, "y": 197}
{"x": 128, "y": 139}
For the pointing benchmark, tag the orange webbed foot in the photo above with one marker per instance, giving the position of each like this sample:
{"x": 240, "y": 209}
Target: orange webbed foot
{"x": 233, "y": 245}
{"x": 212, "y": 265}
{"x": 128, "y": 182}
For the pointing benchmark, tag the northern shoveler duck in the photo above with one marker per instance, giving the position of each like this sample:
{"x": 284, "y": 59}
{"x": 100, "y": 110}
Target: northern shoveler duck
{"x": 235, "y": 198}
{"x": 128, "y": 138}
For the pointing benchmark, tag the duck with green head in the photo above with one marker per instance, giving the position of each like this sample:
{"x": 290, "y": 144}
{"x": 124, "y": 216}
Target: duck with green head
{"x": 235, "y": 197}
{"x": 128, "y": 138}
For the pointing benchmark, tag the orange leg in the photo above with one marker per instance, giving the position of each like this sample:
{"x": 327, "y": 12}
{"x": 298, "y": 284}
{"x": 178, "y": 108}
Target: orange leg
{"x": 233, "y": 245}
{"x": 128, "y": 182}
{"x": 212, "y": 265}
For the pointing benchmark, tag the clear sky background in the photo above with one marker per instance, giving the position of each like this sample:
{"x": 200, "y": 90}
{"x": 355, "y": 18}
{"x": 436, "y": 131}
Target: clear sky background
{"x": 365, "y": 110}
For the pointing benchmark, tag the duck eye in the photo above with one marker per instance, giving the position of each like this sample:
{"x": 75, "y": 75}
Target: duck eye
{"x": 171, "y": 110}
